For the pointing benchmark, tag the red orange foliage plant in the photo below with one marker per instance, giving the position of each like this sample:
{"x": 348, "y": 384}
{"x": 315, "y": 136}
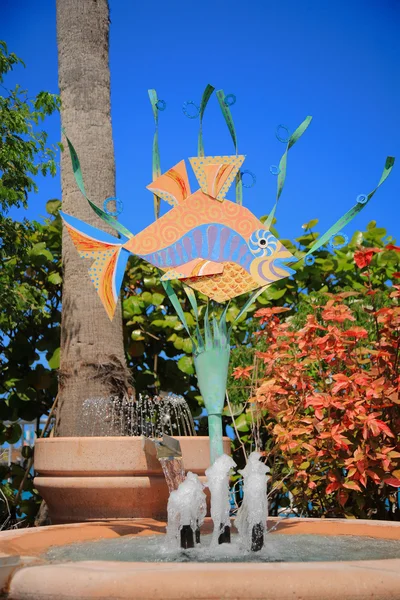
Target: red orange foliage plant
{"x": 330, "y": 394}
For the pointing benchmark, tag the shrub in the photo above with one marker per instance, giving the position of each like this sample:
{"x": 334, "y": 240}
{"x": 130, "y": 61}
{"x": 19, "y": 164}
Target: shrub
{"x": 329, "y": 392}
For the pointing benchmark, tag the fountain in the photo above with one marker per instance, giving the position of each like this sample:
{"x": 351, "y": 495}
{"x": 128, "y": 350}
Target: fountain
{"x": 218, "y": 483}
{"x": 330, "y": 559}
{"x": 251, "y": 520}
{"x": 187, "y": 509}
{"x": 145, "y": 415}
{"x": 119, "y": 487}
{"x": 126, "y": 473}
{"x": 169, "y": 456}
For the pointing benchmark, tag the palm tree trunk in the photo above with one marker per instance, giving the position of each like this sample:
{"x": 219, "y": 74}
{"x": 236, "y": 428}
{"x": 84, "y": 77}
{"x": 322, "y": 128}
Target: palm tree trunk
{"x": 92, "y": 353}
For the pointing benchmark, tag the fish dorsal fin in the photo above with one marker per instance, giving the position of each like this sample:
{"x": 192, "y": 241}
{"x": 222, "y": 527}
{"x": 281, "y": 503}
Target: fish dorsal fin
{"x": 173, "y": 186}
{"x": 215, "y": 174}
{"x": 216, "y": 177}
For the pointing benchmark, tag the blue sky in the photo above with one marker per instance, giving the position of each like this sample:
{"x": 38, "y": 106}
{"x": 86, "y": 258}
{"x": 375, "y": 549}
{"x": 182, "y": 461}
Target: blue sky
{"x": 337, "y": 61}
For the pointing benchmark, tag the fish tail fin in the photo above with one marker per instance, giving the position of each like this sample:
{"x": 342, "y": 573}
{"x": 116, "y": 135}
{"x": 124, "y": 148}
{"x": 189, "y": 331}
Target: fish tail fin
{"x": 107, "y": 273}
{"x": 110, "y": 258}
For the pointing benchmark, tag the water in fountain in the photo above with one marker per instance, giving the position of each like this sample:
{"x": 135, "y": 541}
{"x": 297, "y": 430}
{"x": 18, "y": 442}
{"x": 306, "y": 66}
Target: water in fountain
{"x": 251, "y": 520}
{"x": 187, "y": 508}
{"x": 280, "y": 548}
{"x": 218, "y": 484}
{"x": 144, "y": 415}
{"x": 186, "y": 513}
{"x": 174, "y": 471}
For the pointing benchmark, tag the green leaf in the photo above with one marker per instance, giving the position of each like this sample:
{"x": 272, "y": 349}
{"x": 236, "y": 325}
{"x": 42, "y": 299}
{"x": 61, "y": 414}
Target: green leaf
{"x": 275, "y": 294}
{"x": 53, "y": 206}
{"x": 304, "y": 465}
{"x": 187, "y": 346}
{"x": 54, "y": 361}
{"x": 185, "y": 364}
{"x": 189, "y": 319}
{"x": 54, "y": 278}
{"x": 147, "y": 297}
{"x": 178, "y": 343}
{"x": 136, "y": 335}
{"x": 159, "y": 323}
{"x": 357, "y": 238}
{"x": 263, "y": 300}
{"x": 132, "y": 306}
{"x": 150, "y": 282}
{"x": 306, "y": 239}
{"x": 13, "y": 433}
{"x": 310, "y": 224}
{"x": 237, "y": 410}
{"x": 26, "y": 397}
{"x": 40, "y": 249}
{"x": 241, "y": 423}
{"x": 157, "y": 299}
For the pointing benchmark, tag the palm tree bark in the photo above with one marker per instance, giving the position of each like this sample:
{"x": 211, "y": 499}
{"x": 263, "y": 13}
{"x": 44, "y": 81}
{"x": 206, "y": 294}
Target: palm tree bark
{"x": 92, "y": 353}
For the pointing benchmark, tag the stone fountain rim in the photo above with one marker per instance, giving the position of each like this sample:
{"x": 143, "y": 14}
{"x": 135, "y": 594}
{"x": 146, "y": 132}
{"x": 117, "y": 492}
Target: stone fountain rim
{"x": 90, "y": 579}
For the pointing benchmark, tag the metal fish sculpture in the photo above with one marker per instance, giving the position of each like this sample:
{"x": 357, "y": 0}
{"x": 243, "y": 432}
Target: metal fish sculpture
{"x": 215, "y": 246}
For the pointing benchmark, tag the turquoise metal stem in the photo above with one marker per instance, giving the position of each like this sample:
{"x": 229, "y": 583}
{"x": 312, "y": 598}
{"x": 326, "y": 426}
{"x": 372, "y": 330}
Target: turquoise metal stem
{"x": 212, "y": 373}
{"x": 215, "y": 433}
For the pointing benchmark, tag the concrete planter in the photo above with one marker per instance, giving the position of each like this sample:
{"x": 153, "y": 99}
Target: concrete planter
{"x": 98, "y": 478}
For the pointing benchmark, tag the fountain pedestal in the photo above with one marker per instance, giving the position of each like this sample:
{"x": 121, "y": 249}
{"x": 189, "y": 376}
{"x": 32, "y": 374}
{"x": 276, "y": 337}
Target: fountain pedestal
{"x": 99, "y": 478}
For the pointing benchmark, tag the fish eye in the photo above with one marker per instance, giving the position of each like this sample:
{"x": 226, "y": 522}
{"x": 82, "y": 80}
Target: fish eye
{"x": 262, "y": 243}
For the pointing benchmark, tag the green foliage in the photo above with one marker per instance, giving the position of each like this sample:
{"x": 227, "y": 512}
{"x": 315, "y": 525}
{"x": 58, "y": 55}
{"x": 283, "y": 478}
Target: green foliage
{"x": 11, "y": 505}
{"x": 30, "y": 296}
{"x": 30, "y": 278}
{"x": 23, "y": 144}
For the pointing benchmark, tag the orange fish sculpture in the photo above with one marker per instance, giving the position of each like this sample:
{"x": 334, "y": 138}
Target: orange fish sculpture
{"x": 215, "y": 246}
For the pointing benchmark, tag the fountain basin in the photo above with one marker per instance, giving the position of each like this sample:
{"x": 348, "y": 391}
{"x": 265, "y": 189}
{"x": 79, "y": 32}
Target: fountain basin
{"x": 96, "y": 478}
{"x": 349, "y": 580}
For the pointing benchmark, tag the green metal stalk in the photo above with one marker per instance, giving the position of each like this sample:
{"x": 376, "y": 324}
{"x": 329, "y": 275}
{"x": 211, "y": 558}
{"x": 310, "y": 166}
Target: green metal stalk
{"x": 212, "y": 374}
{"x": 215, "y": 433}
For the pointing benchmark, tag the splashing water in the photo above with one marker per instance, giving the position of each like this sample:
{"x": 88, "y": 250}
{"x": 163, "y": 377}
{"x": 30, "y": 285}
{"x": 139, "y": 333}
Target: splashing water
{"x": 187, "y": 508}
{"x": 145, "y": 415}
{"x": 251, "y": 520}
{"x": 218, "y": 484}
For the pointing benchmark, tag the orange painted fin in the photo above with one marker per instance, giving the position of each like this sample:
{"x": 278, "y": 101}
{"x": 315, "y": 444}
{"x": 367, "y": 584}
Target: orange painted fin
{"x": 216, "y": 177}
{"x": 215, "y": 174}
{"x": 110, "y": 258}
{"x": 173, "y": 186}
{"x": 197, "y": 267}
